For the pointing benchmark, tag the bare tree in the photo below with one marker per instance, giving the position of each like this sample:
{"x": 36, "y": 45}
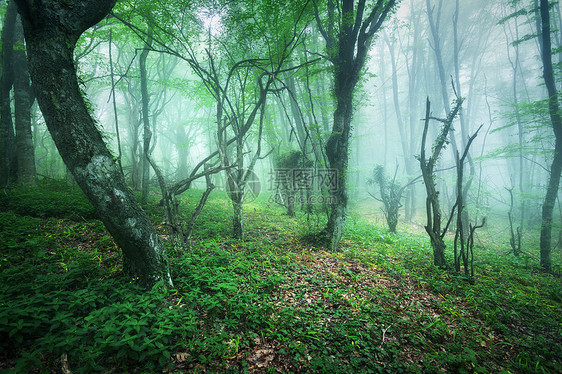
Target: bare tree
{"x": 464, "y": 240}
{"x": 433, "y": 208}
{"x": 391, "y": 193}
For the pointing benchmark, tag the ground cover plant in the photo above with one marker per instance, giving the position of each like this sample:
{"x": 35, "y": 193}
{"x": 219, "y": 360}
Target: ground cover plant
{"x": 275, "y": 302}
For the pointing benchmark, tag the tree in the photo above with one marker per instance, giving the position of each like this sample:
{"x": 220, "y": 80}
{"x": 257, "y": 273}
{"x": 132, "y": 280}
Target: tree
{"x": 7, "y": 157}
{"x": 23, "y": 100}
{"x": 556, "y": 121}
{"x": 115, "y": 115}
{"x": 433, "y": 207}
{"x": 514, "y": 236}
{"x": 464, "y": 240}
{"x": 52, "y": 29}
{"x": 289, "y": 179}
{"x": 391, "y": 193}
{"x": 18, "y": 153}
{"x": 146, "y": 134}
{"x": 238, "y": 81}
{"x": 404, "y": 39}
{"x": 348, "y": 36}
{"x": 515, "y": 62}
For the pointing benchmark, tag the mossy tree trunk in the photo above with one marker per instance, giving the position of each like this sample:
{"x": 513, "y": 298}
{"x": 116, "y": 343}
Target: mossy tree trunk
{"x": 23, "y": 100}
{"x": 52, "y": 29}
{"x": 556, "y": 120}
{"x": 433, "y": 207}
{"x": 7, "y": 155}
{"x": 337, "y": 151}
{"x": 348, "y": 30}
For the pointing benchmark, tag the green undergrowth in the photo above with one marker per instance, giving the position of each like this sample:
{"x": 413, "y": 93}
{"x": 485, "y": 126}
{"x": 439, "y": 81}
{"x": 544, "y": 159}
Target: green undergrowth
{"x": 274, "y": 302}
{"x": 513, "y": 306}
{"x": 50, "y": 198}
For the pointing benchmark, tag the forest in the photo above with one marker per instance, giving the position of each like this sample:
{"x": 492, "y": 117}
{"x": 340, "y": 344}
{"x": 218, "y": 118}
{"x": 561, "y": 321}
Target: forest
{"x": 251, "y": 186}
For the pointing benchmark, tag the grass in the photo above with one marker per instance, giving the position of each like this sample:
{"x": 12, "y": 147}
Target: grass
{"x": 275, "y": 302}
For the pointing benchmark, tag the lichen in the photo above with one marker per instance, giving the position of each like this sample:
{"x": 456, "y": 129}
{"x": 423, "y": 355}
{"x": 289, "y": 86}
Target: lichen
{"x": 132, "y": 223}
{"x": 98, "y": 168}
{"x": 119, "y": 194}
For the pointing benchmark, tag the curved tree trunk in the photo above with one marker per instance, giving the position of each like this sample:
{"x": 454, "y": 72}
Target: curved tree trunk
{"x": 51, "y": 31}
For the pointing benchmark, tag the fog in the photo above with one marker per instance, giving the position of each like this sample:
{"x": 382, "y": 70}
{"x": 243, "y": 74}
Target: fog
{"x": 280, "y": 186}
{"x": 486, "y": 52}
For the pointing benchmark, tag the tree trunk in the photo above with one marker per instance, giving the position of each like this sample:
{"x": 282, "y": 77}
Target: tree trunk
{"x": 347, "y": 50}
{"x": 556, "y": 168}
{"x": 404, "y": 138}
{"x": 416, "y": 62}
{"x": 295, "y": 111}
{"x": 7, "y": 155}
{"x": 119, "y": 150}
{"x": 523, "y": 177}
{"x": 433, "y": 208}
{"x": 51, "y": 32}
{"x": 434, "y": 27}
{"x": 397, "y": 110}
{"x": 337, "y": 148}
{"x": 183, "y": 154}
{"x": 23, "y": 100}
{"x": 238, "y": 219}
{"x": 147, "y": 133}
{"x": 136, "y": 156}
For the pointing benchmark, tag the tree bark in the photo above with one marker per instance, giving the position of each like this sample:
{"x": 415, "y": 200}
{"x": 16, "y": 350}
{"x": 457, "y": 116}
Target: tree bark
{"x": 23, "y": 100}
{"x": 347, "y": 50}
{"x": 337, "y": 153}
{"x": 416, "y": 61}
{"x": 433, "y": 208}
{"x": 51, "y": 31}
{"x": 147, "y": 133}
{"x": 434, "y": 27}
{"x": 7, "y": 155}
{"x": 238, "y": 220}
{"x": 556, "y": 167}
{"x": 120, "y": 153}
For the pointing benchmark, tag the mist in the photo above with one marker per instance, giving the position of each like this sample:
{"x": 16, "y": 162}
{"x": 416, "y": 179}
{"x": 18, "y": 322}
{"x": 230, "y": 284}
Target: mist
{"x": 302, "y": 186}
{"x": 489, "y": 55}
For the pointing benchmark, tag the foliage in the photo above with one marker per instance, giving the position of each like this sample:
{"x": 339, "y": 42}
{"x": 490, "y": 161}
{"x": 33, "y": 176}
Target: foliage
{"x": 270, "y": 302}
{"x": 50, "y": 199}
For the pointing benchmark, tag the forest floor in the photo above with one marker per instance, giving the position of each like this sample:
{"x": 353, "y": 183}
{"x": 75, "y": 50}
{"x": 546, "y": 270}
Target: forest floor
{"x": 274, "y": 302}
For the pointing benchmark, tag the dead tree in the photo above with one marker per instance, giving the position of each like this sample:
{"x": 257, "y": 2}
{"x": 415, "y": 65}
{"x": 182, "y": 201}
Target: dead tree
{"x": 433, "y": 208}
{"x": 180, "y": 233}
{"x": 515, "y": 236}
{"x": 464, "y": 241}
{"x": 391, "y": 193}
